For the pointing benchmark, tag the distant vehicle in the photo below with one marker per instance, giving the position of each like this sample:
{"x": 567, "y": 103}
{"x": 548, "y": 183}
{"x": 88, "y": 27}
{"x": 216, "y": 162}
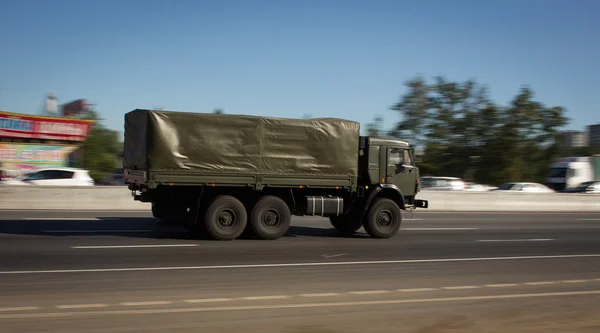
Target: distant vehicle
{"x": 474, "y": 187}
{"x": 442, "y": 184}
{"x": 524, "y": 187}
{"x": 53, "y": 177}
{"x": 585, "y": 187}
{"x": 223, "y": 174}
{"x": 573, "y": 171}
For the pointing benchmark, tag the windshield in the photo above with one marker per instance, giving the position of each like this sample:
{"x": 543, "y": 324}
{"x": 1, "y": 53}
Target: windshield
{"x": 557, "y": 173}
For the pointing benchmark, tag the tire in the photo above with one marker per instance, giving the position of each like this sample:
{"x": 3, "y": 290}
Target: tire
{"x": 383, "y": 219}
{"x": 225, "y": 218}
{"x": 270, "y": 218}
{"x": 346, "y": 225}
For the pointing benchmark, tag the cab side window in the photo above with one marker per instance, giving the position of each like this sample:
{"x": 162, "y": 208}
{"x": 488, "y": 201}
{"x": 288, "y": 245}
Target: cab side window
{"x": 395, "y": 157}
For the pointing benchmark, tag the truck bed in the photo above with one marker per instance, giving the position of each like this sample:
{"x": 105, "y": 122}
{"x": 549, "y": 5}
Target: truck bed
{"x": 163, "y": 147}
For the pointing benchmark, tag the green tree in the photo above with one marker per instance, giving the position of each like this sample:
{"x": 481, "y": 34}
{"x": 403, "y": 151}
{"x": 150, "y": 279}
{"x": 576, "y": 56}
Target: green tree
{"x": 376, "y": 127}
{"x": 466, "y": 135}
{"x": 218, "y": 111}
{"x": 100, "y": 150}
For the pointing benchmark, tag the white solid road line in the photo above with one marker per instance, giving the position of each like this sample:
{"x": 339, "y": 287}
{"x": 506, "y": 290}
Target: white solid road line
{"x": 301, "y": 264}
{"x": 130, "y": 246}
{"x": 517, "y": 240}
{"x": 296, "y": 305}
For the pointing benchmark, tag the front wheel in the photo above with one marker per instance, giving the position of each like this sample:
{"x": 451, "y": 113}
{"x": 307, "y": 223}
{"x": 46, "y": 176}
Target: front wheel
{"x": 225, "y": 218}
{"x": 383, "y": 219}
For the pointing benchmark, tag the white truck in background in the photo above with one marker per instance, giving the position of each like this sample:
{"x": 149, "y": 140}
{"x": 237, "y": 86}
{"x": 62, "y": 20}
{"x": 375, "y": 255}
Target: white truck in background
{"x": 573, "y": 171}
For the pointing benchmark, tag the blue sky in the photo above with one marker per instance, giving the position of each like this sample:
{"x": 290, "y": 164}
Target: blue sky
{"x": 282, "y": 58}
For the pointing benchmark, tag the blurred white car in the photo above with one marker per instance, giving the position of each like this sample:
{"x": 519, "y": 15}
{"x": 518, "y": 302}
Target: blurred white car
{"x": 474, "y": 187}
{"x": 524, "y": 187}
{"x": 53, "y": 177}
{"x": 442, "y": 184}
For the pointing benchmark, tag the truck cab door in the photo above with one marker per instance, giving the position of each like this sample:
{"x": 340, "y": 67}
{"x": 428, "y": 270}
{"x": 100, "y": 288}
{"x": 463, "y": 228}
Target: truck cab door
{"x": 401, "y": 171}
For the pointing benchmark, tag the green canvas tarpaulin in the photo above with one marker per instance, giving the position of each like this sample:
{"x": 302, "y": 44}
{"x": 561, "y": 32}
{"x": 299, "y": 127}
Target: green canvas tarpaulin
{"x": 240, "y": 144}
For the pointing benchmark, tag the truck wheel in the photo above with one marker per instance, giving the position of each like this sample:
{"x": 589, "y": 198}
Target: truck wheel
{"x": 225, "y": 218}
{"x": 383, "y": 219}
{"x": 271, "y": 218}
{"x": 347, "y": 224}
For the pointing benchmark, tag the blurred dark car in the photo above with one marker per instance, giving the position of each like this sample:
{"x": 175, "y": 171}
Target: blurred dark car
{"x": 585, "y": 187}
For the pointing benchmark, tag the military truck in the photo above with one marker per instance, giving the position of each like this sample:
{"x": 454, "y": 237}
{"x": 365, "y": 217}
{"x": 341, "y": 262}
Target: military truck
{"x": 226, "y": 175}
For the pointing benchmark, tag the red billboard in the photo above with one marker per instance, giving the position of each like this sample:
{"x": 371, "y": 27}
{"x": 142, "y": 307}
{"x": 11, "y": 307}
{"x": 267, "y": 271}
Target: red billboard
{"x": 13, "y": 125}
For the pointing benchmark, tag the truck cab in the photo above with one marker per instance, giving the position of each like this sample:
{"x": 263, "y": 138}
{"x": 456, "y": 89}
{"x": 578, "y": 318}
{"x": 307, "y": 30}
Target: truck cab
{"x": 390, "y": 164}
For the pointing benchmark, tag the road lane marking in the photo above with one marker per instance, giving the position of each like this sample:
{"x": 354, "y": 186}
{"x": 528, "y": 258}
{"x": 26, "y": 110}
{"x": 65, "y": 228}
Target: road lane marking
{"x": 59, "y": 231}
{"x": 370, "y": 292}
{"x": 438, "y": 229}
{"x": 540, "y": 283}
{"x": 502, "y": 285}
{"x": 517, "y": 240}
{"x": 81, "y": 306}
{"x": 460, "y": 287}
{"x": 130, "y": 246}
{"x": 260, "y": 298}
{"x": 208, "y": 300}
{"x": 147, "y": 303}
{"x": 410, "y": 290}
{"x": 589, "y": 219}
{"x": 301, "y": 264}
{"x": 574, "y": 281}
{"x": 319, "y": 295}
{"x": 20, "y": 308}
{"x": 297, "y": 305}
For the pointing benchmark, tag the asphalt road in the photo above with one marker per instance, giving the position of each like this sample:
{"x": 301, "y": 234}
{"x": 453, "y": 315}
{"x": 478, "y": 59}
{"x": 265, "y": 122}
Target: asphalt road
{"x": 445, "y": 272}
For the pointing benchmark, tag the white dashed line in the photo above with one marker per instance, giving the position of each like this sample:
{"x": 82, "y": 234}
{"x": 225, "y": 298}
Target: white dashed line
{"x": 131, "y": 246}
{"x": 320, "y": 295}
{"x": 502, "y": 285}
{"x": 208, "y": 300}
{"x": 370, "y": 292}
{"x": 146, "y": 303}
{"x": 589, "y": 219}
{"x": 260, "y": 298}
{"x": 411, "y": 290}
{"x": 274, "y": 297}
{"x": 540, "y": 283}
{"x": 81, "y": 306}
{"x": 21, "y": 308}
{"x": 460, "y": 287}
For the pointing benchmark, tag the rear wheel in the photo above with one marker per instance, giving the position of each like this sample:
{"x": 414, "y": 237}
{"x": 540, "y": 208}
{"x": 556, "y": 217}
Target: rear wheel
{"x": 270, "y": 218}
{"x": 383, "y": 219}
{"x": 347, "y": 224}
{"x": 225, "y": 218}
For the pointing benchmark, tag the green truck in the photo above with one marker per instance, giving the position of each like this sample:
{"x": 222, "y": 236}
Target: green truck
{"x": 226, "y": 175}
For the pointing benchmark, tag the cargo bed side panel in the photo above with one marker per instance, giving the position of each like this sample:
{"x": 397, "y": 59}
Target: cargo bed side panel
{"x": 247, "y": 145}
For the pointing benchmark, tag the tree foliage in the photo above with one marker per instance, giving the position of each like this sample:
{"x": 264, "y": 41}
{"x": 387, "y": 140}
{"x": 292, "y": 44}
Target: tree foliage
{"x": 100, "y": 150}
{"x": 464, "y": 134}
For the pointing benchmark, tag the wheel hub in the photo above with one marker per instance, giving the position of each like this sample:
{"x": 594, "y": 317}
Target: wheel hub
{"x": 226, "y": 218}
{"x": 385, "y": 218}
{"x": 271, "y": 218}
